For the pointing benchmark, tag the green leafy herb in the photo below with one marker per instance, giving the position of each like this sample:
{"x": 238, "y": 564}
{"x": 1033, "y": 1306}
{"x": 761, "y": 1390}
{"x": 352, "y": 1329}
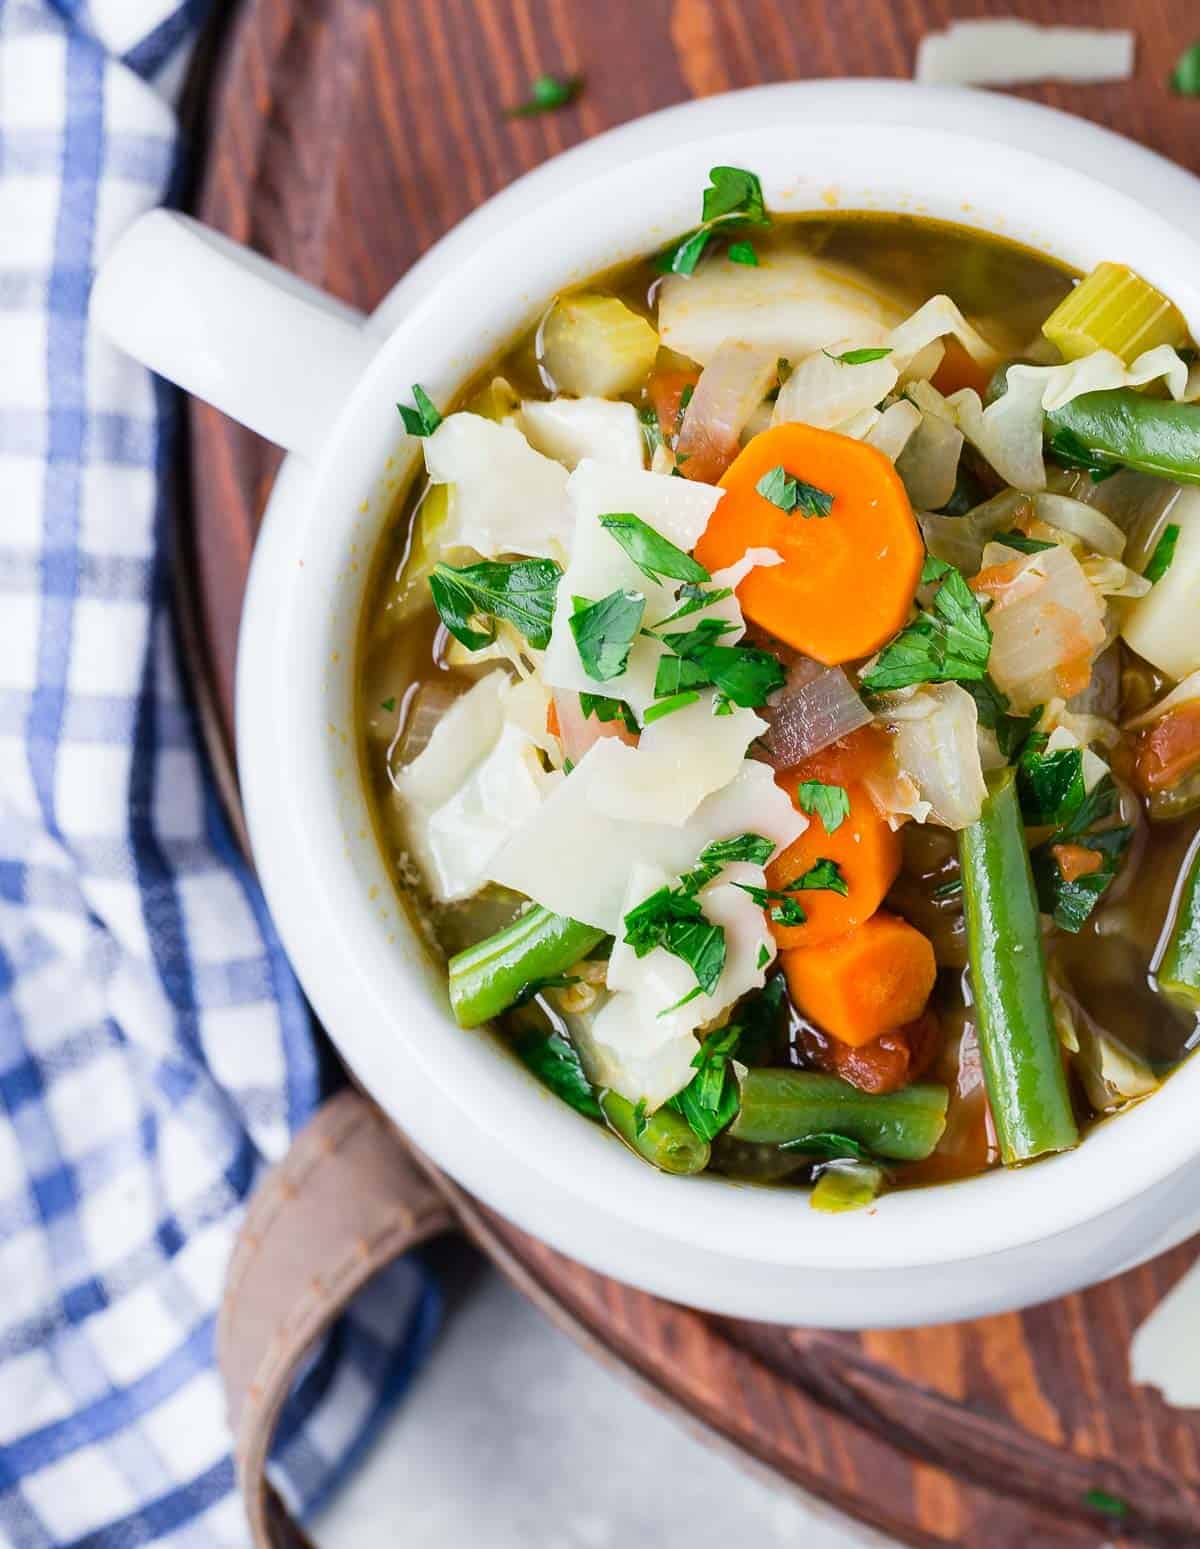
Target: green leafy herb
{"x": 675, "y": 676}
{"x": 764, "y": 955}
{"x": 744, "y": 675}
{"x": 605, "y": 631}
{"x": 651, "y": 430}
{"x": 792, "y": 494}
{"x": 522, "y": 593}
{"x": 1019, "y": 540}
{"x": 827, "y": 1144}
{"x": 606, "y": 709}
{"x": 548, "y": 92}
{"x": 825, "y": 876}
{"x": 1185, "y": 78}
{"x": 388, "y": 704}
{"x": 1050, "y": 787}
{"x": 859, "y": 357}
{"x": 732, "y": 201}
{"x": 641, "y": 1119}
{"x": 554, "y": 1062}
{"x": 951, "y": 889}
{"x": 950, "y": 643}
{"x": 743, "y": 253}
{"x": 534, "y": 988}
{"x": 424, "y": 419}
{"x": 672, "y": 918}
{"x": 710, "y": 1100}
{"x": 654, "y": 555}
{"x": 692, "y": 598}
{"x": 831, "y": 803}
{"x": 754, "y": 849}
{"x": 1164, "y": 549}
{"x": 1012, "y": 731}
{"x": 1101, "y": 1500}
{"x": 1072, "y": 451}
{"x": 1071, "y": 903}
{"x": 933, "y": 569}
{"x": 568, "y": 765}
{"x": 668, "y": 706}
{"x": 685, "y": 397}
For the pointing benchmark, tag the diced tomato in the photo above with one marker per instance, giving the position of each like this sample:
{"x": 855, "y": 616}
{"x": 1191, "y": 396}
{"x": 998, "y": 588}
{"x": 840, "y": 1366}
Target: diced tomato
{"x": 1075, "y": 861}
{"x": 887, "y": 1063}
{"x": 664, "y": 390}
{"x": 1167, "y": 751}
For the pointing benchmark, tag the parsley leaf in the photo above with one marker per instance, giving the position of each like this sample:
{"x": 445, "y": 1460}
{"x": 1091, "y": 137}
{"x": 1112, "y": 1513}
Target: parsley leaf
{"x": 669, "y": 705}
{"x": 831, "y": 803}
{"x": 1050, "y": 787}
{"x": 755, "y": 849}
{"x": 692, "y": 598}
{"x": 1101, "y": 1500}
{"x": 859, "y": 357}
{"x": 1164, "y": 549}
{"x": 553, "y": 1060}
{"x": 1012, "y": 731}
{"x": 711, "y": 1099}
{"x": 606, "y": 709}
{"x": 1071, "y": 903}
{"x": 1019, "y": 540}
{"x": 534, "y": 988}
{"x": 742, "y": 674}
{"x": 825, "y": 876}
{"x": 831, "y": 1146}
{"x": 651, "y": 430}
{"x": 672, "y": 918}
{"x": 1185, "y": 78}
{"x": 641, "y": 1119}
{"x": 388, "y": 704}
{"x": 732, "y": 201}
{"x": 1072, "y": 451}
{"x": 764, "y": 955}
{"x": 933, "y": 569}
{"x": 742, "y": 253}
{"x": 522, "y": 593}
{"x": 548, "y": 92}
{"x": 951, "y": 643}
{"x": 654, "y": 555}
{"x": 792, "y": 494}
{"x": 605, "y": 631}
{"x": 424, "y": 419}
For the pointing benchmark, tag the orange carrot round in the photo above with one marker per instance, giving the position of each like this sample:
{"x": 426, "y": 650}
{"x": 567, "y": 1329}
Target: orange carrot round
{"x": 848, "y": 579}
{"x": 876, "y": 977}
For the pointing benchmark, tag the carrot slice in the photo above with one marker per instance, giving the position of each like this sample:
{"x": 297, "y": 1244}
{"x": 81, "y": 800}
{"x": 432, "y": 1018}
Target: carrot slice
{"x": 865, "y": 850}
{"x": 876, "y": 977}
{"x": 848, "y": 579}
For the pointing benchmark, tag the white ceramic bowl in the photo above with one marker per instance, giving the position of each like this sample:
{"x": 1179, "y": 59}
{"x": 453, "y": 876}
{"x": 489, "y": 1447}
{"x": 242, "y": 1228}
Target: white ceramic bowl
{"x": 324, "y": 383}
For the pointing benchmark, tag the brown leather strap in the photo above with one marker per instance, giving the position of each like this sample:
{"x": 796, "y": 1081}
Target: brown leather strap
{"x": 347, "y": 1199}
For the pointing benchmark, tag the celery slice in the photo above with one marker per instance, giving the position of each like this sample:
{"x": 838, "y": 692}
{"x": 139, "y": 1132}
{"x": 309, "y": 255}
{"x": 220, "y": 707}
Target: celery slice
{"x": 1114, "y": 309}
{"x": 846, "y": 1185}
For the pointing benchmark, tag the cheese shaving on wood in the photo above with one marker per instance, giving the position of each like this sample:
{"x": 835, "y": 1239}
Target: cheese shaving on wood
{"x": 1007, "y": 52}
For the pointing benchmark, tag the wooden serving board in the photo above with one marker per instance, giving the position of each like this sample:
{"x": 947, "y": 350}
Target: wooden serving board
{"x": 342, "y": 138}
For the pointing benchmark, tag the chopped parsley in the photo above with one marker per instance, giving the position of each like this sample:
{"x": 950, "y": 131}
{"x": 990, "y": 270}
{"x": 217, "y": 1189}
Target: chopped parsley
{"x": 548, "y": 92}
{"x": 553, "y": 1060}
{"x": 1101, "y": 1500}
{"x": 1072, "y": 451}
{"x": 764, "y": 955}
{"x": 651, "y": 430}
{"x": 1164, "y": 549}
{"x": 946, "y": 644}
{"x": 691, "y": 598}
{"x": 1012, "y": 731}
{"x": 1185, "y": 78}
{"x": 1019, "y": 540}
{"x": 732, "y": 201}
{"x": 711, "y": 1100}
{"x": 859, "y": 357}
{"x": 534, "y": 988}
{"x": 685, "y": 397}
{"x": 742, "y": 253}
{"x": 424, "y": 419}
{"x": 742, "y": 674}
{"x": 641, "y": 1119}
{"x": 1071, "y": 903}
{"x": 388, "y": 704}
{"x": 824, "y": 876}
{"x": 784, "y": 909}
{"x": 753, "y": 849}
{"x": 654, "y": 555}
{"x": 522, "y": 593}
{"x": 791, "y": 494}
{"x": 1050, "y": 787}
{"x": 1052, "y": 792}
{"x": 605, "y": 631}
{"x": 831, "y": 803}
{"x": 830, "y": 1146}
{"x": 933, "y": 569}
{"x": 668, "y": 706}
{"x": 606, "y": 709}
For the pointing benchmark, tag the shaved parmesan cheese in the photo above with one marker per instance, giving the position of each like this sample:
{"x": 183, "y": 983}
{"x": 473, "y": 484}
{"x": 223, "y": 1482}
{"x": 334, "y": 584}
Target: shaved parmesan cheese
{"x": 505, "y": 498}
{"x": 1165, "y": 1352}
{"x": 1007, "y": 52}
{"x": 791, "y": 304}
{"x": 679, "y": 509}
{"x": 476, "y": 782}
{"x": 574, "y": 858}
{"x": 679, "y": 760}
{"x": 570, "y": 429}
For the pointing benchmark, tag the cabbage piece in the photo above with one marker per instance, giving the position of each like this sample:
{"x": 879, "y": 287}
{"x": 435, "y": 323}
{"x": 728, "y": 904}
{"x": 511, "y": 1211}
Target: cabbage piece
{"x": 791, "y": 305}
{"x": 506, "y": 498}
{"x": 891, "y": 431}
{"x": 679, "y": 509}
{"x": 1047, "y": 626}
{"x": 935, "y": 742}
{"x": 824, "y": 392}
{"x": 476, "y": 782}
{"x": 731, "y": 387}
{"x": 960, "y": 540}
{"x": 1097, "y": 531}
{"x": 928, "y": 465}
{"x": 575, "y": 859}
{"x": 570, "y": 429}
{"x": 938, "y": 318}
{"x": 594, "y": 346}
{"x": 1164, "y": 626}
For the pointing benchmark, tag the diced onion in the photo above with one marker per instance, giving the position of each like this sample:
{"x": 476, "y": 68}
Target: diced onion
{"x": 891, "y": 432}
{"x": 960, "y": 540}
{"x": 816, "y": 713}
{"x": 1092, "y": 527}
{"x": 419, "y": 717}
{"x": 730, "y": 389}
{"x": 934, "y": 740}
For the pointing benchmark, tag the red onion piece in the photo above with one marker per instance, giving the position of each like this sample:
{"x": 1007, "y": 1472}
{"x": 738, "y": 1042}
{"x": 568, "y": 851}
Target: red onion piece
{"x": 817, "y": 706}
{"x": 579, "y": 732}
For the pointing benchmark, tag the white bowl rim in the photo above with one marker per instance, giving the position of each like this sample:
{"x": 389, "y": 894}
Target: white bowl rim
{"x": 982, "y": 1216}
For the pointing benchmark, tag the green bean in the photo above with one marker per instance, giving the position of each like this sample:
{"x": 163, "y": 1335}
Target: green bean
{"x": 1021, "y": 1055}
{"x": 488, "y": 977}
{"x": 786, "y": 1106}
{"x": 665, "y": 1139}
{"x": 1178, "y": 973}
{"x": 1153, "y": 435}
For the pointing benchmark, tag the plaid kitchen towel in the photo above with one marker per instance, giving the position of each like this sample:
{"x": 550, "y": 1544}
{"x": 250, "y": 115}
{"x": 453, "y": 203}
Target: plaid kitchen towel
{"x": 155, "y": 1053}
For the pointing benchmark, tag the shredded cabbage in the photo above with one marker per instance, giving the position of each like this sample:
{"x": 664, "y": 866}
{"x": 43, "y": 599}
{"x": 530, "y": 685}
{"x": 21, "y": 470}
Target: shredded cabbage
{"x": 935, "y": 742}
{"x": 570, "y": 429}
{"x": 506, "y": 498}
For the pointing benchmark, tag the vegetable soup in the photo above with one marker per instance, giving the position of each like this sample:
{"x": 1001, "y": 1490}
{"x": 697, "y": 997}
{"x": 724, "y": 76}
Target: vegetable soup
{"x": 780, "y": 698}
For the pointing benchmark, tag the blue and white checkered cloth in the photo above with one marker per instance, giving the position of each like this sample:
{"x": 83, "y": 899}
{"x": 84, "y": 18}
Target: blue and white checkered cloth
{"x": 155, "y": 1053}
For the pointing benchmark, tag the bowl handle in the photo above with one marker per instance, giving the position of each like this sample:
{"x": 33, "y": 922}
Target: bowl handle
{"x": 231, "y": 327}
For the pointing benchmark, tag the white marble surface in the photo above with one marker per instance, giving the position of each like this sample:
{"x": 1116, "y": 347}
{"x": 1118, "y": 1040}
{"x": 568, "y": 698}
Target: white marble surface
{"x": 512, "y": 1438}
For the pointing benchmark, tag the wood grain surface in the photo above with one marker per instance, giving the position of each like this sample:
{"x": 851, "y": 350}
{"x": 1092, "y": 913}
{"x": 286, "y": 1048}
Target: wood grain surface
{"x": 342, "y": 138}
